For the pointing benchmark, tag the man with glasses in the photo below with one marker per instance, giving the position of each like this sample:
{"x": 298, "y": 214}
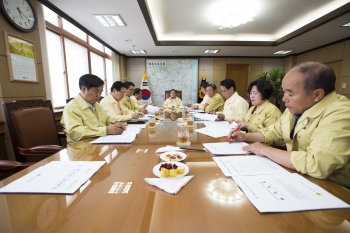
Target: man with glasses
{"x": 235, "y": 107}
{"x": 114, "y": 108}
{"x": 215, "y": 102}
{"x": 127, "y": 101}
{"x": 136, "y": 98}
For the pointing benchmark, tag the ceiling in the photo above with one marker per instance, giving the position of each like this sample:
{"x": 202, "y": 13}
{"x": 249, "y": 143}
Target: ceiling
{"x": 183, "y": 28}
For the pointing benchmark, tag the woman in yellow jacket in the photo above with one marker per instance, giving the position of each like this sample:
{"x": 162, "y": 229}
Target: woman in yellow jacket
{"x": 262, "y": 114}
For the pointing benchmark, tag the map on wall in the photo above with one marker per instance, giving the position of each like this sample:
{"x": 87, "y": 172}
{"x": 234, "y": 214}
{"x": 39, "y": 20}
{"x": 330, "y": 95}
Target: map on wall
{"x": 179, "y": 74}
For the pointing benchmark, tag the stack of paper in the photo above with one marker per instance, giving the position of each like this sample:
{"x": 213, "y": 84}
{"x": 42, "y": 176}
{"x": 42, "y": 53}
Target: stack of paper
{"x": 214, "y": 131}
{"x": 133, "y": 129}
{"x": 169, "y": 185}
{"x": 152, "y": 109}
{"x": 225, "y": 148}
{"x": 204, "y": 116}
{"x": 117, "y": 139}
{"x": 55, "y": 177}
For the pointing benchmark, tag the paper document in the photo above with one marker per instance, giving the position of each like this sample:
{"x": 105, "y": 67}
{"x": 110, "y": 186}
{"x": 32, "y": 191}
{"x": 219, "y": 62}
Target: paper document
{"x": 117, "y": 139}
{"x": 135, "y": 129}
{"x": 225, "y": 124}
{"x": 205, "y": 116}
{"x": 225, "y": 148}
{"x": 286, "y": 193}
{"x": 214, "y": 131}
{"x": 55, "y": 177}
{"x": 248, "y": 166}
{"x": 152, "y": 109}
{"x": 197, "y": 110}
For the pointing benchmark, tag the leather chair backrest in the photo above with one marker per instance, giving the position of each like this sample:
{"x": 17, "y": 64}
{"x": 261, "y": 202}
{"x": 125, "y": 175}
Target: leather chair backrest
{"x": 35, "y": 126}
{"x": 178, "y": 94}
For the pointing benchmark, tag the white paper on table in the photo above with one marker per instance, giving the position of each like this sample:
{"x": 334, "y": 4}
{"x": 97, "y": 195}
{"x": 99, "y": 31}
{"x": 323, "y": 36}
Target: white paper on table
{"x": 169, "y": 185}
{"x": 168, "y": 148}
{"x": 152, "y": 109}
{"x": 225, "y": 148}
{"x": 195, "y": 110}
{"x": 205, "y": 116}
{"x": 225, "y": 124}
{"x": 286, "y": 193}
{"x": 115, "y": 139}
{"x": 63, "y": 177}
{"x": 248, "y": 166}
{"x": 134, "y": 129}
{"x": 214, "y": 131}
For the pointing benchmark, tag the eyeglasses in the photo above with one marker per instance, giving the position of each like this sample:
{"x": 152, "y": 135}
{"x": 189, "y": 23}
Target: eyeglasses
{"x": 222, "y": 92}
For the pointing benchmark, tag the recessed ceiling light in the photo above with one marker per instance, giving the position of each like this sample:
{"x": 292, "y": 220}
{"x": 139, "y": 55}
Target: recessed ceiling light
{"x": 211, "y": 51}
{"x": 111, "y": 20}
{"x": 283, "y": 51}
{"x": 346, "y": 25}
{"x": 138, "y": 51}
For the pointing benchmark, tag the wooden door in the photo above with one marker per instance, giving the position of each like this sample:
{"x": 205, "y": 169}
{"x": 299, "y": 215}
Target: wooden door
{"x": 336, "y": 67}
{"x": 240, "y": 74}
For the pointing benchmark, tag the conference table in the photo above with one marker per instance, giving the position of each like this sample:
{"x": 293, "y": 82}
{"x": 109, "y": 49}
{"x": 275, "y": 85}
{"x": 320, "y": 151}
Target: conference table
{"x": 140, "y": 207}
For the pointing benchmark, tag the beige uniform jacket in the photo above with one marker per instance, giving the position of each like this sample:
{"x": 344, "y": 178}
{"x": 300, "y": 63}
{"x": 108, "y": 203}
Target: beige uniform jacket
{"x": 235, "y": 108}
{"x": 321, "y": 143}
{"x": 137, "y": 103}
{"x": 81, "y": 121}
{"x": 173, "y": 102}
{"x": 201, "y": 104}
{"x": 216, "y": 104}
{"x": 115, "y": 109}
{"x": 129, "y": 104}
{"x": 266, "y": 115}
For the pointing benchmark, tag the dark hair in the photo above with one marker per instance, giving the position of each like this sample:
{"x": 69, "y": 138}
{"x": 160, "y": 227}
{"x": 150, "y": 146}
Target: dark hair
{"x": 203, "y": 84}
{"x": 128, "y": 84}
{"x": 317, "y": 75}
{"x": 117, "y": 86}
{"x": 90, "y": 80}
{"x": 228, "y": 83}
{"x": 137, "y": 91}
{"x": 212, "y": 85}
{"x": 173, "y": 90}
{"x": 265, "y": 88}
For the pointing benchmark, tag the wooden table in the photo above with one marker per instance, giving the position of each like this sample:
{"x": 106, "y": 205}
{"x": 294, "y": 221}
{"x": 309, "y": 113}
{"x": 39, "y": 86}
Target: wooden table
{"x": 146, "y": 208}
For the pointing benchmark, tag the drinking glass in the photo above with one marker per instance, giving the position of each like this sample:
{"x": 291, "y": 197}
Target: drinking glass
{"x": 183, "y": 136}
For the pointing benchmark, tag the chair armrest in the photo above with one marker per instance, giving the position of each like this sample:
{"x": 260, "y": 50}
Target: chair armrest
{"x": 13, "y": 166}
{"x": 46, "y": 148}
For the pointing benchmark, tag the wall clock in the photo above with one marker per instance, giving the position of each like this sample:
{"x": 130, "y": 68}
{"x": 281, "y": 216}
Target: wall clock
{"x": 20, "y": 13}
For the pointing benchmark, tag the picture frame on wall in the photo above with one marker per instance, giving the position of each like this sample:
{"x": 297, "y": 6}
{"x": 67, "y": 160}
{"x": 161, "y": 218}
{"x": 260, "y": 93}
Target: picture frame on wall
{"x": 21, "y": 59}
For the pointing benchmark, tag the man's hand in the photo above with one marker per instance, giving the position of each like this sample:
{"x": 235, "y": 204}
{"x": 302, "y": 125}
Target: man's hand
{"x": 143, "y": 111}
{"x": 116, "y": 128}
{"x": 135, "y": 115}
{"x": 236, "y": 136}
{"x": 221, "y": 116}
{"x": 189, "y": 105}
{"x": 257, "y": 148}
{"x": 194, "y": 107}
{"x": 244, "y": 125}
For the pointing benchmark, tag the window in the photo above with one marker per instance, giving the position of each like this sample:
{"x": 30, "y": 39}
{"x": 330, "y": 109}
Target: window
{"x": 71, "y": 55}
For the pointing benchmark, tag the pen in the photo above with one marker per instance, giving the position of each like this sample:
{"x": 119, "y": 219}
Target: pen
{"x": 185, "y": 148}
{"x": 237, "y": 128}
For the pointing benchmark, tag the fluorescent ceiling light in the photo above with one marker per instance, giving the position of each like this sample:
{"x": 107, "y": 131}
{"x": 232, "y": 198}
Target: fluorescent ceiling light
{"x": 138, "y": 51}
{"x": 111, "y": 20}
{"x": 211, "y": 51}
{"x": 283, "y": 51}
{"x": 346, "y": 25}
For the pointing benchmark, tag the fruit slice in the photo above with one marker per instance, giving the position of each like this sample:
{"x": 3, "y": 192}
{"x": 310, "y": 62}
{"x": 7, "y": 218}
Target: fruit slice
{"x": 164, "y": 172}
{"x": 173, "y": 172}
{"x": 180, "y": 169}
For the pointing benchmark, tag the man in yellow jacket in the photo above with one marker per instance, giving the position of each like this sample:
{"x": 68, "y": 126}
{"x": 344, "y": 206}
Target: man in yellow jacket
{"x": 83, "y": 117}
{"x": 315, "y": 126}
{"x": 215, "y": 101}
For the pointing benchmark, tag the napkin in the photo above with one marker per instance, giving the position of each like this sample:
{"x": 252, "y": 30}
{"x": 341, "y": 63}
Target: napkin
{"x": 168, "y": 148}
{"x": 169, "y": 185}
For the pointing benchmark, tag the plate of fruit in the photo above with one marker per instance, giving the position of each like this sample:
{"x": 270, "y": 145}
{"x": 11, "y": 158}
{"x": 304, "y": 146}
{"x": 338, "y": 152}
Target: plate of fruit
{"x": 172, "y": 156}
{"x": 170, "y": 170}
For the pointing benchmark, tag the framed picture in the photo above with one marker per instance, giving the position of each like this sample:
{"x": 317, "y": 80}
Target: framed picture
{"x": 21, "y": 59}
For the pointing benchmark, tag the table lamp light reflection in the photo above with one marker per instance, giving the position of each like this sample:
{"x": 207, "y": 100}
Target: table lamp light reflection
{"x": 225, "y": 189}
